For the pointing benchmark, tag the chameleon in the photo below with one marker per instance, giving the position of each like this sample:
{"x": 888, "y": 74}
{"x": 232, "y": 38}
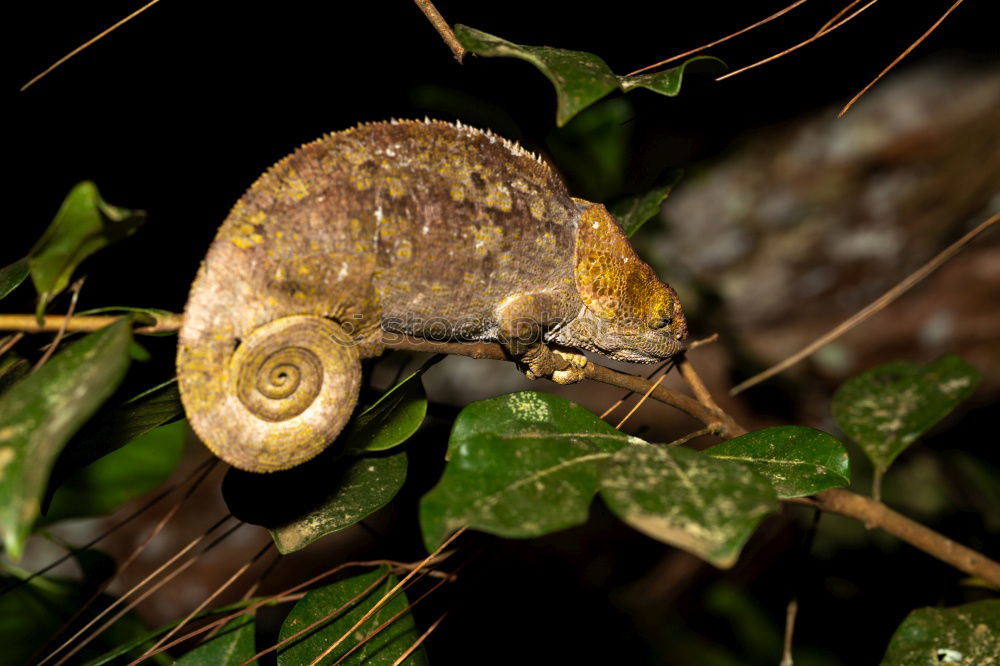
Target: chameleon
{"x": 431, "y": 230}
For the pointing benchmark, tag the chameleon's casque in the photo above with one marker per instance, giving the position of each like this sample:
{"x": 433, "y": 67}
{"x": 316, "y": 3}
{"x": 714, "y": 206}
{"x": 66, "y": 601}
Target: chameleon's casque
{"x": 425, "y": 229}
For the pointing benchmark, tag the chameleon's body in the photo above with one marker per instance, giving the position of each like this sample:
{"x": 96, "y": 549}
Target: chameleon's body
{"x": 426, "y": 229}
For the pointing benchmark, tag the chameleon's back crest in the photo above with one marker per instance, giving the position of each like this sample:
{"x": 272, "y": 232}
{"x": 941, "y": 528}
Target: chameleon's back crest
{"x": 284, "y": 305}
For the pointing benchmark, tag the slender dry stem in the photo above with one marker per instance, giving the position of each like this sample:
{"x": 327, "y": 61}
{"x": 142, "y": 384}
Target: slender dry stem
{"x": 872, "y": 308}
{"x": 442, "y": 27}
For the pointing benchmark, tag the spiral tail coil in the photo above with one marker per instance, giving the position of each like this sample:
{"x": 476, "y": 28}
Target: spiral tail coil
{"x": 276, "y": 401}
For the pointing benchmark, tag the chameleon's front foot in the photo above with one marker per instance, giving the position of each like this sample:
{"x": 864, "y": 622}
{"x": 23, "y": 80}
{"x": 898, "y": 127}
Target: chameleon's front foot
{"x": 562, "y": 367}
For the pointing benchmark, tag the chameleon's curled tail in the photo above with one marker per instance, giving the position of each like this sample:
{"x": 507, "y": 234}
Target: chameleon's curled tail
{"x": 278, "y": 398}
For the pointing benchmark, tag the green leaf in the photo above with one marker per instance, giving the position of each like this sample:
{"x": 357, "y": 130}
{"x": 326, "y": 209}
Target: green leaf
{"x": 12, "y": 276}
{"x": 580, "y": 78}
{"x": 366, "y": 485}
{"x": 125, "y": 474}
{"x": 83, "y": 225}
{"x": 687, "y": 499}
{"x": 114, "y": 426}
{"x": 392, "y": 419}
{"x": 40, "y": 413}
{"x": 887, "y": 408}
{"x": 234, "y": 644}
{"x": 634, "y": 211}
{"x": 12, "y": 369}
{"x": 521, "y": 465}
{"x": 968, "y": 634}
{"x": 353, "y": 597}
{"x": 798, "y": 461}
{"x": 668, "y": 82}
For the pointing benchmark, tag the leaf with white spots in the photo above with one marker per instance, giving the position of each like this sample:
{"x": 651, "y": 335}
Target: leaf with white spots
{"x": 315, "y": 499}
{"x": 706, "y": 506}
{"x": 335, "y": 609}
{"x": 968, "y": 634}
{"x": 520, "y": 465}
{"x": 887, "y": 408}
{"x": 798, "y": 461}
{"x": 41, "y": 412}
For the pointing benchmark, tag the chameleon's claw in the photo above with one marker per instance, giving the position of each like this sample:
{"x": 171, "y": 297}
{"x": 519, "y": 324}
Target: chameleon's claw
{"x": 541, "y": 361}
{"x": 574, "y": 371}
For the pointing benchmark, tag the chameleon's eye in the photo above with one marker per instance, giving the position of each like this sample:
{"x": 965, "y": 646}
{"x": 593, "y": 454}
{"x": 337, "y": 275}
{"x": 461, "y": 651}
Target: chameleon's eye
{"x": 659, "y": 322}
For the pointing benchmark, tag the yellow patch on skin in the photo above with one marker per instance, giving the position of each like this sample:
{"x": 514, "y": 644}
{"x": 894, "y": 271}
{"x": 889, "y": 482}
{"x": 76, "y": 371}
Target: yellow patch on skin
{"x": 457, "y": 193}
{"x": 405, "y": 249}
{"x": 395, "y": 185}
{"x": 487, "y": 237}
{"x": 468, "y": 278}
{"x": 537, "y": 208}
{"x": 499, "y": 197}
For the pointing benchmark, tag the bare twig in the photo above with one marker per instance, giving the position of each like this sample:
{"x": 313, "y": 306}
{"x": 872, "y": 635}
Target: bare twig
{"x": 878, "y": 304}
{"x": 9, "y": 343}
{"x": 434, "y": 16}
{"x": 719, "y": 41}
{"x": 899, "y": 57}
{"x": 75, "y": 291}
{"x": 85, "y": 323}
{"x": 643, "y": 399}
{"x": 87, "y": 43}
{"x": 417, "y": 643}
{"x": 695, "y": 384}
{"x": 798, "y": 46}
{"x": 786, "y": 652}
{"x": 875, "y": 513}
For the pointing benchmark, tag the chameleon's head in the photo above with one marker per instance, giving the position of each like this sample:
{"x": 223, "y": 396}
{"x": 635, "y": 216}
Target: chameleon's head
{"x": 629, "y": 313}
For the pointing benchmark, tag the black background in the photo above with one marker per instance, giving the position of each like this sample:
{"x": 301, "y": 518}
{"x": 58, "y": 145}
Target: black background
{"x": 179, "y": 111}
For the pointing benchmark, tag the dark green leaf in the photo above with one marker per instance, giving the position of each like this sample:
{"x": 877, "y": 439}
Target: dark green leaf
{"x": 83, "y": 225}
{"x": 12, "y": 276}
{"x": 392, "y": 419}
{"x": 668, "y": 82}
{"x": 12, "y": 369}
{"x": 367, "y": 484}
{"x": 113, "y": 427}
{"x": 40, "y": 413}
{"x": 685, "y": 498}
{"x": 592, "y": 150}
{"x": 352, "y": 597}
{"x": 32, "y": 613}
{"x": 887, "y": 408}
{"x": 798, "y": 461}
{"x": 634, "y": 211}
{"x": 521, "y": 465}
{"x": 233, "y": 645}
{"x": 968, "y": 634}
{"x": 129, "y": 472}
{"x": 580, "y": 78}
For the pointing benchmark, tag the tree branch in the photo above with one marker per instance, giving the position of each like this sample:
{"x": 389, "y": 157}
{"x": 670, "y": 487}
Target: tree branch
{"x": 434, "y": 16}
{"x": 86, "y": 323}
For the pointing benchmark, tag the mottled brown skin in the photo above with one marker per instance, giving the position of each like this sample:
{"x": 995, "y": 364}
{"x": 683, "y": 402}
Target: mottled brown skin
{"x": 429, "y": 229}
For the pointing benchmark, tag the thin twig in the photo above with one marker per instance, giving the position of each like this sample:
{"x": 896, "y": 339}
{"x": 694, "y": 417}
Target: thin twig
{"x": 10, "y": 342}
{"x": 117, "y": 602}
{"x": 836, "y": 17}
{"x": 434, "y": 16}
{"x": 694, "y": 383}
{"x": 719, "y": 41}
{"x": 628, "y": 395}
{"x": 87, "y": 43}
{"x": 898, "y": 58}
{"x": 691, "y": 435}
{"x": 75, "y": 294}
{"x": 872, "y": 308}
{"x": 643, "y": 399}
{"x": 85, "y": 323}
{"x": 381, "y": 602}
{"x": 937, "y": 545}
{"x": 800, "y": 44}
{"x": 703, "y": 341}
{"x": 417, "y": 643}
{"x": 786, "y": 652}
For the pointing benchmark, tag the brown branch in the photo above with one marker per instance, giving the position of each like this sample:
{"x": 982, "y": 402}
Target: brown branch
{"x": 86, "y": 323}
{"x": 879, "y": 515}
{"x": 899, "y": 57}
{"x": 872, "y": 308}
{"x": 75, "y": 291}
{"x": 434, "y": 16}
{"x": 88, "y": 43}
